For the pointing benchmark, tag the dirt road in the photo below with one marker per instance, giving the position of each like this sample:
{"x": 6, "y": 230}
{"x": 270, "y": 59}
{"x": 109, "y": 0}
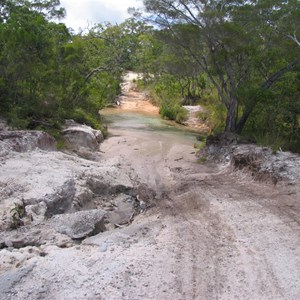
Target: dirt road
{"x": 210, "y": 233}
{"x": 213, "y": 234}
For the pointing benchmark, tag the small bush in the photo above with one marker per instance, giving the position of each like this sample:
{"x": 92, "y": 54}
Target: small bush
{"x": 173, "y": 111}
{"x": 182, "y": 115}
{"x": 200, "y": 145}
{"x": 202, "y": 160}
{"x": 214, "y": 116}
{"x": 82, "y": 117}
{"x": 17, "y": 213}
{"x": 274, "y": 142}
{"x": 168, "y": 111}
{"x": 16, "y": 120}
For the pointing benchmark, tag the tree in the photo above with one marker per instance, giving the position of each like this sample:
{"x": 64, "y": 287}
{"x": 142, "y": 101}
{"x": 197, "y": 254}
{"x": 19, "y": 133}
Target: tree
{"x": 283, "y": 17}
{"x": 146, "y": 53}
{"x": 114, "y": 46}
{"x": 228, "y": 46}
{"x": 29, "y": 57}
{"x": 44, "y": 71}
{"x": 49, "y": 9}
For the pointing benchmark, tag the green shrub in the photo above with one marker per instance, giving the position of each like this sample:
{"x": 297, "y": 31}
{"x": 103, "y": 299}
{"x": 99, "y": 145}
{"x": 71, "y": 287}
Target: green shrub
{"x": 172, "y": 110}
{"x": 17, "y": 213}
{"x": 201, "y": 160}
{"x": 168, "y": 111}
{"x": 82, "y": 117}
{"x": 182, "y": 115}
{"x": 214, "y": 116}
{"x": 200, "y": 145}
{"x": 16, "y": 118}
{"x": 274, "y": 142}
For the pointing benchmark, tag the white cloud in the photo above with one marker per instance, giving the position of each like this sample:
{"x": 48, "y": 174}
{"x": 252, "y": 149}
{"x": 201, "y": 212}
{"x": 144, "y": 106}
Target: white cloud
{"x": 84, "y": 13}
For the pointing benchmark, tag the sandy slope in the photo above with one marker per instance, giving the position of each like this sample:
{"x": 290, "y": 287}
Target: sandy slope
{"x": 212, "y": 234}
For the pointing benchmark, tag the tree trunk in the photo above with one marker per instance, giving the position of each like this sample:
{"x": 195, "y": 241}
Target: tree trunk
{"x": 231, "y": 117}
{"x": 242, "y": 122}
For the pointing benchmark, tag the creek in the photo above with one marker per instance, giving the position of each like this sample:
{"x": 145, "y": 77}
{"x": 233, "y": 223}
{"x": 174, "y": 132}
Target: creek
{"x": 139, "y": 124}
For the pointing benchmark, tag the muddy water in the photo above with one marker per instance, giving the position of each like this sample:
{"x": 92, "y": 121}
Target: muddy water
{"x": 148, "y": 148}
{"x": 139, "y": 123}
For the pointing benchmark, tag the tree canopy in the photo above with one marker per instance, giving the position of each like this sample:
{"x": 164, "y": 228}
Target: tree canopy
{"x": 247, "y": 50}
{"x": 48, "y": 74}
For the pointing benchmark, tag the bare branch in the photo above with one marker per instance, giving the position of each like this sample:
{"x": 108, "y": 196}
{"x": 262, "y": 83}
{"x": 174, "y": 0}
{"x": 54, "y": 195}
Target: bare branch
{"x": 294, "y": 38}
{"x": 96, "y": 70}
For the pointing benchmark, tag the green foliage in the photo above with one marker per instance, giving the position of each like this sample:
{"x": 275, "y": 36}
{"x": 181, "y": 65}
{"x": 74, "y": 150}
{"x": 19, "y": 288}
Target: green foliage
{"x": 30, "y": 67}
{"x": 168, "y": 109}
{"x": 275, "y": 142}
{"x": 46, "y": 74}
{"x": 214, "y": 116}
{"x": 18, "y": 210}
{"x": 16, "y": 120}
{"x": 166, "y": 86}
{"x": 181, "y": 115}
{"x": 56, "y": 133}
{"x": 202, "y": 160}
{"x": 81, "y": 116}
{"x": 147, "y": 53}
{"x": 171, "y": 109}
{"x": 200, "y": 145}
{"x": 275, "y": 120}
{"x": 17, "y": 213}
{"x": 238, "y": 59}
{"x": 165, "y": 92}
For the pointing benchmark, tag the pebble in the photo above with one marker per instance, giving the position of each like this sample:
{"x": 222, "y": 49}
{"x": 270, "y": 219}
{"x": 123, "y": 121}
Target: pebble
{"x": 103, "y": 248}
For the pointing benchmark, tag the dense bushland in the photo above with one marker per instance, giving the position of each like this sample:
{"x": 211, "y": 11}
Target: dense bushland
{"x": 238, "y": 59}
{"x": 48, "y": 74}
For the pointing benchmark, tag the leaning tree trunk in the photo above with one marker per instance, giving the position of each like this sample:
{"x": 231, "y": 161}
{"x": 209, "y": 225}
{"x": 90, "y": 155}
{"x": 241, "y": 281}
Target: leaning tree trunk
{"x": 242, "y": 122}
{"x": 265, "y": 86}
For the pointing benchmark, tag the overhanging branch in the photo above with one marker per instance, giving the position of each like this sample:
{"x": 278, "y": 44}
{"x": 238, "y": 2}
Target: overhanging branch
{"x": 94, "y": 71}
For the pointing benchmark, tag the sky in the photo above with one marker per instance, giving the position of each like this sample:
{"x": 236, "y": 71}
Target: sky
{"x": 85, "y": 13}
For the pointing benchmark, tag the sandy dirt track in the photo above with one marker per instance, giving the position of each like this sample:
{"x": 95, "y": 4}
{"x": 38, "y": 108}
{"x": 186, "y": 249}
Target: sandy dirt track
{"x": 214, "y": 233}
{"x": 220, "y": 235}
{"x": 211, "y": 233}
